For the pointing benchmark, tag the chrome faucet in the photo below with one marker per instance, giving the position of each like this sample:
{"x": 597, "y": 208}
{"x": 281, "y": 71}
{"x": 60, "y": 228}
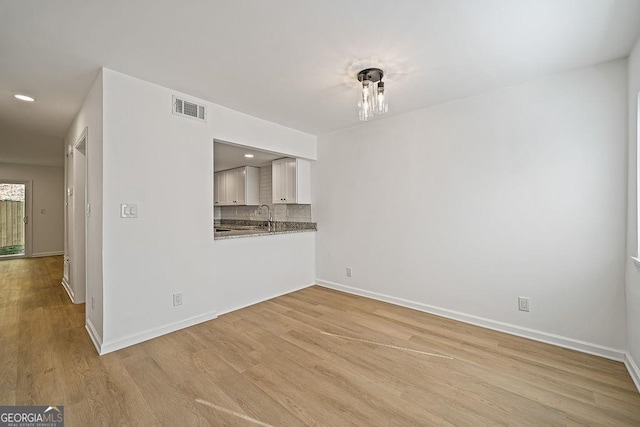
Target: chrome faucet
{"x": 269, "y": 220}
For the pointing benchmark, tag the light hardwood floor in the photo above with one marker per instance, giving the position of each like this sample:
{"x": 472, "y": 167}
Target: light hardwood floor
{"x": 313, "y": 357}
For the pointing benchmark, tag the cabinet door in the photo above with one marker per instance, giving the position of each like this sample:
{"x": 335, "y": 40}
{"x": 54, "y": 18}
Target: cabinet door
{"x": 240, "y": 178}
{"x": 220, "y": 192}
{"x": 230, "y": 187}
{"x": 278, "y": 176}
{"x": 291, "y": 181}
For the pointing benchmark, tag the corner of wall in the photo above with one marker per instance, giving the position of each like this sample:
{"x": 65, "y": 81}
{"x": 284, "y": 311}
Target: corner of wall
{"x": 632, "y": 279}
{"x": 96, "y": 339}
{"x": 633, "y": 369}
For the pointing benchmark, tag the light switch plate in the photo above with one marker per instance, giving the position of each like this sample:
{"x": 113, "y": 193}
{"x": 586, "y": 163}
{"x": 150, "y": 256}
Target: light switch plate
{"x": 523, "y": 304}
{"x": 128, "y": 210}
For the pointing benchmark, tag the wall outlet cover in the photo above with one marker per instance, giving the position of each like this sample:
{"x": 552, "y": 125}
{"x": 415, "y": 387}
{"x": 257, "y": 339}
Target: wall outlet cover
{"x": 128, "y": 210}
{"x": 177, "y": 299}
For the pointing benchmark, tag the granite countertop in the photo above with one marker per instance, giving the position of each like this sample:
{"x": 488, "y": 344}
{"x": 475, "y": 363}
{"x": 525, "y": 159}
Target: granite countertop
{"x": 235, "y": 229}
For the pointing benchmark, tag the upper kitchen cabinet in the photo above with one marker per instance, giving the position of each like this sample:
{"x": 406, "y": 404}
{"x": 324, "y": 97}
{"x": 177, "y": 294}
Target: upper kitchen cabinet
{"x": 219, "y": 189}
{"x": 237, "y": 187}
{"x": 291, "y": 180}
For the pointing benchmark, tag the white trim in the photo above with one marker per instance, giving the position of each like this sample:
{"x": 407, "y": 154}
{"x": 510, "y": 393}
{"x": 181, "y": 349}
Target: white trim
{"x": 633, "y": 369}
{"x": 129, "y": 340}
{"x": 636, "y": 261}
{"x": 264, "y": 299}
{"x": 558, "y": 340}
{"x": 43, "y": 254}
{"x": 3, "y": 257}
{"x": 96, "y": 339}
{"x": 637, "y": 144}
{"x": 67, "y": 288}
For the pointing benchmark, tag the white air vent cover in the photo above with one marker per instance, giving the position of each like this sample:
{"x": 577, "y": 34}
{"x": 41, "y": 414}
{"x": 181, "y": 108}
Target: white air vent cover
{"x": 184, "y": 108}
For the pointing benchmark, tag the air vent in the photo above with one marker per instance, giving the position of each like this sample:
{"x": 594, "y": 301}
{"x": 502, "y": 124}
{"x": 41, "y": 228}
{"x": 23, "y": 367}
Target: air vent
{"x": 184, "y": 108}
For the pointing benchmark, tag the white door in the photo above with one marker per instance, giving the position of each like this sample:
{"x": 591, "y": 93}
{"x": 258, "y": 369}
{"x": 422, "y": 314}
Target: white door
{"x": 78, "y": 212}
{"x": 220, "y": 190}
{"x": 230, "y": 186}
{"x": 241, "y": 181}
{"x": 279, "y": 179}
{"x": 291, "y": 181}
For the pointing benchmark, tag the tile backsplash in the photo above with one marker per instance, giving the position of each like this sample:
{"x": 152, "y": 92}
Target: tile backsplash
{"x": 291, "y": 213}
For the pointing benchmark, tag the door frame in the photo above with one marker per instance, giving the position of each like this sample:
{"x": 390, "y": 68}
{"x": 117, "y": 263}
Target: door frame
{"x": 28, "y": 226}
{"x": 75, "y": 274}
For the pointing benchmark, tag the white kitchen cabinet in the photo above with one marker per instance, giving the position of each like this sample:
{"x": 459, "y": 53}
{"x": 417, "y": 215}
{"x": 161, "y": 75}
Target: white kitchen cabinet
{"x": 237, "y": 187}
{"x": 291, "y": 181}
{"x": 219, "y": 189}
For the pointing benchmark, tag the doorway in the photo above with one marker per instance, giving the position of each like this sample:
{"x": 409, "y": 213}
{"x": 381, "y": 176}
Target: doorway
{"x": 76, "y": 210}
{"x": 14, "y": 218}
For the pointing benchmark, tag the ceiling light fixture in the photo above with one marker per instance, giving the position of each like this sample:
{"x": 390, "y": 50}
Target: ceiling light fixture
{"x": 249, "y": 156}
{"x": 24, "y": 97}
{"x": 372, "y": 97}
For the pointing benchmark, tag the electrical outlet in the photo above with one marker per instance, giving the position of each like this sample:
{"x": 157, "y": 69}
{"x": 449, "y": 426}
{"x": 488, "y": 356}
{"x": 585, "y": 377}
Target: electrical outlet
{"x": 348, "y": 271}
{"x": 127, "y": 210}
{"x": 523, "y": 303}
{"x": 177, "y": 299}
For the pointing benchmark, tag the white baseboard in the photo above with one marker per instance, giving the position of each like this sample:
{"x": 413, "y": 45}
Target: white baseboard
{"x": 96, "y": 339}
{"x": 67, "y": 288}
{"x": 225, "y": 311}
{"x": 633, "y": 369}
{"x": 129, "y": 340}
{"x": 110, "y": 346}
{"x": 558, "y": 340}
{"x": 41, "y": 254}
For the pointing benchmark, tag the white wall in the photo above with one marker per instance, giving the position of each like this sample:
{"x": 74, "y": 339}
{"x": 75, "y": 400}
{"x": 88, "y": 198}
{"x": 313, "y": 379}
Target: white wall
{"x": 90, "y": 117}
{"x": 164, "y": 164}
{"x": 29, "y": 149}
{"x": 463, "y": 207}
{"x": 240, "y": 128}
{"x": 633, "y": 273}
{"x": 47, "y": 193}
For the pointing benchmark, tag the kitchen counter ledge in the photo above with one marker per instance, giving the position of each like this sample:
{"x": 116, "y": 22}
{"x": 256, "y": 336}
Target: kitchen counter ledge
{"x": 241, "y": 229}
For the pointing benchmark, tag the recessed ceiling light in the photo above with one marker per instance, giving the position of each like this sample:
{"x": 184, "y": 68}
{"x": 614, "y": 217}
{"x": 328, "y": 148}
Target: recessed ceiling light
{"x": 249, "y": 156}
{"x": 24, "y": 98}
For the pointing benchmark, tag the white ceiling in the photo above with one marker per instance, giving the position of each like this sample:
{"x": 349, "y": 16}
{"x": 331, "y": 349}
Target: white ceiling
{"x": 229, "y": 156}
{"x": 294, "y": 62}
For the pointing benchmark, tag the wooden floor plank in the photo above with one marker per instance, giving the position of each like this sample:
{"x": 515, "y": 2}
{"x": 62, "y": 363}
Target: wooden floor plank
{"x": 313, "y": 357}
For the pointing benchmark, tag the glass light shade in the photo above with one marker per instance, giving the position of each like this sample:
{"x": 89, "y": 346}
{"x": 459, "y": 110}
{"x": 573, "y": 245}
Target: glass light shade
{"x": 380, "y": 105}
{"x": 366, "y": 102}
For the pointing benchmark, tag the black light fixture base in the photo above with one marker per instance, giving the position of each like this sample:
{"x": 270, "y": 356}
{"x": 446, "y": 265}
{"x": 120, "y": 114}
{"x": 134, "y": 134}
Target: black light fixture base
{"x": 371, "y": 75}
